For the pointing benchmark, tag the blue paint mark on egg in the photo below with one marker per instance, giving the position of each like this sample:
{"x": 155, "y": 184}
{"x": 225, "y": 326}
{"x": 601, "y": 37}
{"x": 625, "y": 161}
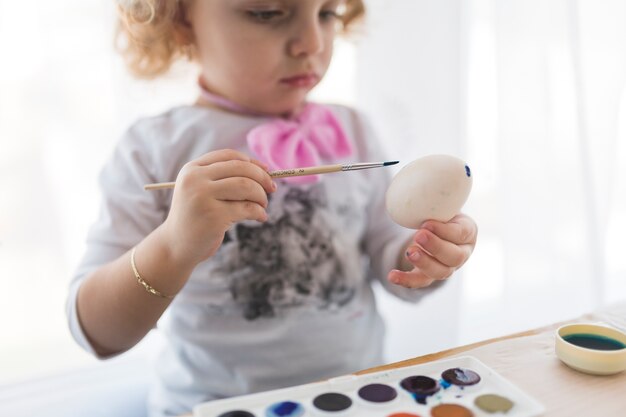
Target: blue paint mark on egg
{"x": 285, "y": 409}
{"x": 468, "y": 172}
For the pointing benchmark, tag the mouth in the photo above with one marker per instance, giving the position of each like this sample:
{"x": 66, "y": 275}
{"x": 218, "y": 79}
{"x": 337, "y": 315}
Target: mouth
{"x": 305, "y": 80}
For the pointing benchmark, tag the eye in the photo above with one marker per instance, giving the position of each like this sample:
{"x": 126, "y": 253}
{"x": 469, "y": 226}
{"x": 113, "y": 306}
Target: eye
{"x": 265, "y": 15}
{"x": 329, "y": 15}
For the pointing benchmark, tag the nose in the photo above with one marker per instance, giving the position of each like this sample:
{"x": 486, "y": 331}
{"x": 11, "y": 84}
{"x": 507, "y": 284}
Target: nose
{"x": 307, "y": 38}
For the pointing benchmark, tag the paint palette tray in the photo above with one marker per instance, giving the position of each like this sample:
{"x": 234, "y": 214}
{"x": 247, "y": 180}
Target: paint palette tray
{"x": 458, "y": 387}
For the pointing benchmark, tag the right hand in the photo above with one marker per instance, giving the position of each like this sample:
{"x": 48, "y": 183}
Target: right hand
{"x": 212, "y": 193}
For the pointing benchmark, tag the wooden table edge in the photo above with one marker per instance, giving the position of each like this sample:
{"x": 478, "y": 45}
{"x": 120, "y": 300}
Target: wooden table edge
{"x": 461, "y": 349}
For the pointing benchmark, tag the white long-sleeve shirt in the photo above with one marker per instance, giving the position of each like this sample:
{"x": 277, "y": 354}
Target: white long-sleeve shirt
{"x": 281, "y": 303}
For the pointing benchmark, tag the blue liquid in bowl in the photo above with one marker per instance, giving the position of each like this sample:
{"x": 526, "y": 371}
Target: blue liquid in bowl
{"x": 594, "y": 341}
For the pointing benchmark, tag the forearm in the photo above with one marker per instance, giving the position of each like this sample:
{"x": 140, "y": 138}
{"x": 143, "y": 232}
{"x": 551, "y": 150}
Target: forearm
{"x": 114, "y": 310}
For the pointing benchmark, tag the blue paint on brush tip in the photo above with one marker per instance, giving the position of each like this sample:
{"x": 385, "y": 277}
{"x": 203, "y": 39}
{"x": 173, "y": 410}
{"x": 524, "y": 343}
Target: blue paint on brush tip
{"x": 386, "y": 164}
{"x": 467, "y": 171}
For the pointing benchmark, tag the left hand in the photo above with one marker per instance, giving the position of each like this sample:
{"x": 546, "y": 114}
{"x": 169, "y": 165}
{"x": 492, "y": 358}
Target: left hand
{"x": 436, "y": 251}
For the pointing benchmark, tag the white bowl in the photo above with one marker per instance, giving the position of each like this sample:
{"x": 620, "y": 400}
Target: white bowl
{"x": 591, "y": 361}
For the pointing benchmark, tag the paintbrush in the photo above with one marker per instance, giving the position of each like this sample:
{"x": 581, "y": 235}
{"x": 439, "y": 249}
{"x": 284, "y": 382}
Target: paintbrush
{"x": 297, "y": 172}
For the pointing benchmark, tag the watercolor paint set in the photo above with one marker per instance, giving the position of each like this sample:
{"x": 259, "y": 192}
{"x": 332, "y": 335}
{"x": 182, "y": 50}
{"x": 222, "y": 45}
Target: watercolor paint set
{"x": 458, "y": 387}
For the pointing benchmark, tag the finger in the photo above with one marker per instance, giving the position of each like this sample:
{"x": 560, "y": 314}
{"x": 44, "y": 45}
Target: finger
{"x": 427, "y": 264}
{"x": 447, "y": 253}
{"x": 411, "y": 279}
{"x": 236, "y": 168}
{"x": 460, "y": 230}
{"x": 239, "y": 189}
{"x": 220, "y": 156}
{"x": 263, "y": 166}
{"x": 246, "y": 210}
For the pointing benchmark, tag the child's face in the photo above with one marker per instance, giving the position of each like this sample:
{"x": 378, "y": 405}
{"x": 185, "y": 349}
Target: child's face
{"x": 265, "y": 55}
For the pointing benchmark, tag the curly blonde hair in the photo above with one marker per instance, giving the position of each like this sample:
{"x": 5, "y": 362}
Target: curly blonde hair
{"x": 148, "y": 33}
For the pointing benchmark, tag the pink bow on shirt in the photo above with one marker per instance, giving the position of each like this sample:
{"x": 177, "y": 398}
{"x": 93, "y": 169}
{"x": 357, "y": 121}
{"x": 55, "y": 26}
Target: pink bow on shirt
{"x": 300, "y": 142}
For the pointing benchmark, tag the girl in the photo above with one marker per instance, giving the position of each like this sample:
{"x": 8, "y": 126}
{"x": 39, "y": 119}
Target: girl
{"x": 256, "y": 285}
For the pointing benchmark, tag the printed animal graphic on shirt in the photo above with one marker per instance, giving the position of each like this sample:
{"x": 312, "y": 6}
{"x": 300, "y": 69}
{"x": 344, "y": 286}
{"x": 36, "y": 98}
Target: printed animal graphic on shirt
{"x": 290, "y": 261}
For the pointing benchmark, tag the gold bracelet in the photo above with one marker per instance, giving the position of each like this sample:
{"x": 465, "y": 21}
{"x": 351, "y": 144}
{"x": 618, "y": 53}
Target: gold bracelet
{"x": 143, "y": 283}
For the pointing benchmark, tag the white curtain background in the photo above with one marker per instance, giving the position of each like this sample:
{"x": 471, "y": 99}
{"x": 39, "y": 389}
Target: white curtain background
{"x": 529, "y": 92}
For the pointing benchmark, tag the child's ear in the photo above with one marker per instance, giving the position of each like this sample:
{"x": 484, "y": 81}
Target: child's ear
{"x": 183, "y": 30}
{"x": 185, "y": 39}
{"x": 183, "y": 34}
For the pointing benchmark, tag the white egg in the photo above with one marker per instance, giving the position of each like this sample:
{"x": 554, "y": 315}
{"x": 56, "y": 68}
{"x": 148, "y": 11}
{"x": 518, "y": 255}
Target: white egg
{"x": 433, "y": 187}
